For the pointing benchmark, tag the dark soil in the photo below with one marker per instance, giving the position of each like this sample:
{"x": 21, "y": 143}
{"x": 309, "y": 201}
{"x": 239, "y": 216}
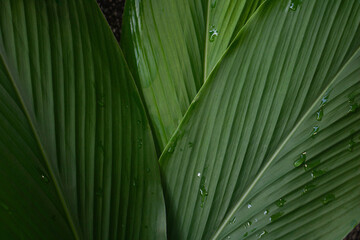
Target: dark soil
{"x": 113, "y": 10}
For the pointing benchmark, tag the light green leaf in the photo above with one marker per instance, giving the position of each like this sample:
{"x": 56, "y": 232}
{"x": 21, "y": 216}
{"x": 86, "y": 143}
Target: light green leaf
{"x": 232, "y": 157}
{"x": 172, "y": 46}
{"x": 77, "y": 155}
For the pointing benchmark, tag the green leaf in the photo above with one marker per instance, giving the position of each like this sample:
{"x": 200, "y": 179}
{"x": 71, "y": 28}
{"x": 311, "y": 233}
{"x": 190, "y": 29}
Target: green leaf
{"x": 172, "y": 46}
{"x": 233, "y": 155}
{"x": 77, "y": 155}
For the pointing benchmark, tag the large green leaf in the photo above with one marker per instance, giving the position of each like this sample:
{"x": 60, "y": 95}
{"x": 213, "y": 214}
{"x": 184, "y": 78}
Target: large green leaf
{"x": 172, "y": 46}
{"x": 289, "y": 84}
{"x": 77, "y": 155}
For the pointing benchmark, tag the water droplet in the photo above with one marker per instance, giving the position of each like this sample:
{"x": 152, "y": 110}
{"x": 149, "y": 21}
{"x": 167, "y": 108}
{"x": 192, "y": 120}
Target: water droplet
{"x": 44, "y": 178}
{"x": 292, "y": 6}
{"x": 317, "y": 173}
{"x": 281, "y": 202}
{"x": 300, "y": 160}
{"x": 213, "y": 4}
{"x": 171, "y": 148}
{"x": 310, "y": 165}
{"x": 139, "y": 143}
{"x": 319, "y": 114}
{"x": 99, "y": 192}
{"x": 249, "y": 205}
{"x": 262, "y": 234}
{"x": 266, "y": 212}
{"x": 328, "y": 198}
{"x": 315, "y": 131}
{"x": 228, "y": 237}
{"x": 276, "y": 216}
{"x": 325, "y": 99}
{"x": 198, "y": 174}
{"x": 307, "y": 188}
{"x": 248, "y": 224}
{"x": 351, "y": 145}
{"x": 203, "y": 191}
{"x": 246, "y": 234}
{"x": 353, "y": 106}
{"x": 190, "y": 144}
{"x": 213, "y": 34}
{"x": 233, "y": 220}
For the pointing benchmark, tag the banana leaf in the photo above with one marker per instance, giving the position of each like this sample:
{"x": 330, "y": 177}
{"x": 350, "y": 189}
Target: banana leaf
{"x": 172, "y": 46}
{"x": 270, "y": 146}
{"x": 78, "y": 159}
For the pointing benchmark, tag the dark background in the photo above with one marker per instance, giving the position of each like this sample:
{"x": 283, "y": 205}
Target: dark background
{"x": 113, "y": 10}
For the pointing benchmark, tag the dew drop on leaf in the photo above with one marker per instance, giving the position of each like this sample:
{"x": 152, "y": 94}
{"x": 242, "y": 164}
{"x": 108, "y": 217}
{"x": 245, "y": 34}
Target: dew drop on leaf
{"x": 44, "y": 178}
{"x": 325, "y": 99}
{"x": 281, "y": 202}
{"x": 292, "y": 6}
{"x": 139, "y": 143}
{"x": 266, "y": 212}
{"x": 248, "y": 224}
{"x": 213, "y": 34}
{"x": 171, "y": 149}
{"x": 319, "y": 114}
{"x": 249, "y": 205}
{"x": 317, "y": 173}
{"x": 302, "y": 158}
{"x": 263, "y": 233}
{"x": 203, "y": 191}
{"x": 351, "y": 145}
{"x": 353, "y": 107}
{"x": 276, "y": 216}
{"x": 315, "y": 131}
{"x": 310, "y": 165}
{"x": 328, "y": 198}
{"x": 233, "y": 220}
{"x": 307, "y": 188}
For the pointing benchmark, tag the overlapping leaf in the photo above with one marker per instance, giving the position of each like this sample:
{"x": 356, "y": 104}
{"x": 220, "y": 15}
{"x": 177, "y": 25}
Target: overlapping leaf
{"x": 172, "y": 46}
{"x": 232, "y": 156}
{"x": 77, "y": 154}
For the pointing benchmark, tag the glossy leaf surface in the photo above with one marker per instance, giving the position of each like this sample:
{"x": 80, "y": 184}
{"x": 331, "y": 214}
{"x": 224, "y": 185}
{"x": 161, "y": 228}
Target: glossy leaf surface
{"x": 172, "y": 46}
{"x": 232, "y": 158}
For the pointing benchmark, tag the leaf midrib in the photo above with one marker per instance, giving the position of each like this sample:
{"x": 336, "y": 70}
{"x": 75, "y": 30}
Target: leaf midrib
{"x": 42, "y": 150}
{"x": 275, "y": 154}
